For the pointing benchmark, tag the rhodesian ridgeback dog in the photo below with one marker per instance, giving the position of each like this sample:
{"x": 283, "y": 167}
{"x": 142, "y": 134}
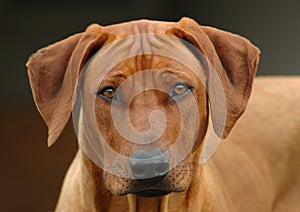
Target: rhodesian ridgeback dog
{"x": 145, "y": 97}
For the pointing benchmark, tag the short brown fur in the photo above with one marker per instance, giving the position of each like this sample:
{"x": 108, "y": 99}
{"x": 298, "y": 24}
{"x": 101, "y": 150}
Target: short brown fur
{"x": 256, "y": 167}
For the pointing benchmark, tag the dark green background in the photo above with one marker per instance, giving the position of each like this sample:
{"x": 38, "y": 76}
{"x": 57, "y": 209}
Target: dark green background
{"x": 31, "y": 173}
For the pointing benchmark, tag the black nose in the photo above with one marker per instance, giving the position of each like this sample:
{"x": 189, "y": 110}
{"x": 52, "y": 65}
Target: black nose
{"x": 151, "y": 165}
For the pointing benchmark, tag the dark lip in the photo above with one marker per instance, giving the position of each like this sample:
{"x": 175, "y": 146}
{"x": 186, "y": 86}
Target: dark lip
{"x": 152, "y": 193}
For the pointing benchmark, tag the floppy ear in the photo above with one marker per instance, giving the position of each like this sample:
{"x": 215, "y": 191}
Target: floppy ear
{"x": 235, "y": 61}
{"x": 53, "y": 73}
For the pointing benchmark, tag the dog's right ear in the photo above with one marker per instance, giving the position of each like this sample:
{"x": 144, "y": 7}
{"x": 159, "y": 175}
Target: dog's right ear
{"x": 53, "y": 73}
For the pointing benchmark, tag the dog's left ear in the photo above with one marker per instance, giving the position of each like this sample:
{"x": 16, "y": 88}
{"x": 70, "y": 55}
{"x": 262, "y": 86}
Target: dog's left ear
{"x": 235, "y": 60}
{"x": 53, "y": 74}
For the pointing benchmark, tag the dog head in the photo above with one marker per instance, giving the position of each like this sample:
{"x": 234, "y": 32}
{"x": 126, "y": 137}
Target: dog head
{"x": 145, "y": 88}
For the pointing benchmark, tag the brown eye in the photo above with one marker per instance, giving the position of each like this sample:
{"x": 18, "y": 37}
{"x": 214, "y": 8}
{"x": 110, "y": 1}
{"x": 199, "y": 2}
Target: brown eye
{"x": 107, "y": 92}
{"x": 180, "y": 89}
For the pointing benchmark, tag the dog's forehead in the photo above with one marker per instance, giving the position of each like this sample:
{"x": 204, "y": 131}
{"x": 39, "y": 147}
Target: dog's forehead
{"x": 143, "y": 70}
{"x": 142, "y": 51}
{"x": 138, "y": 27}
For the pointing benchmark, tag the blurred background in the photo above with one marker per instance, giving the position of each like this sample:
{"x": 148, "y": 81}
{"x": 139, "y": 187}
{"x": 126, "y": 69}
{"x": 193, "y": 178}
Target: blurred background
{"x": 32, "y": 173}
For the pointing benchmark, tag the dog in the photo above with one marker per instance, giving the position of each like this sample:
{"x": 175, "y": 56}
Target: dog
{"x": 127, "y": 82}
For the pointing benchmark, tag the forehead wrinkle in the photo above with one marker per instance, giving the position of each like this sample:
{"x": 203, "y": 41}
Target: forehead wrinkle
{"x": 143, "y": 80}
{"x": 145, "y": 43}
{"x": 179, "y": 72}
{"x": 156, "y": 44}
{"x": 129, "y": 69}
{"x": 152, "y": 43}
{"x": 143, "y": 49}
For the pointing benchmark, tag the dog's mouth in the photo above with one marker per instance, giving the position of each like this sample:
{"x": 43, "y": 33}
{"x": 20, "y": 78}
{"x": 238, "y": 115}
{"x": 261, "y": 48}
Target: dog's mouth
{"x": 152, "y": 193}
{"x": 150, "y": 188}
{"x": 177, "y": 180}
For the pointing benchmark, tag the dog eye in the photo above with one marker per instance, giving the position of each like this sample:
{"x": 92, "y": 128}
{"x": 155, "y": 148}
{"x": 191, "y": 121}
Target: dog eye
{"x": 107, "y": 92}
{"x": 180, "y": 89}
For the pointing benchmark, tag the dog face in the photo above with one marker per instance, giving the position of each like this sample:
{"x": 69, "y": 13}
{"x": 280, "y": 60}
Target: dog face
{"x": 151, "y": 108}
{"x": 174, "y": 83}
